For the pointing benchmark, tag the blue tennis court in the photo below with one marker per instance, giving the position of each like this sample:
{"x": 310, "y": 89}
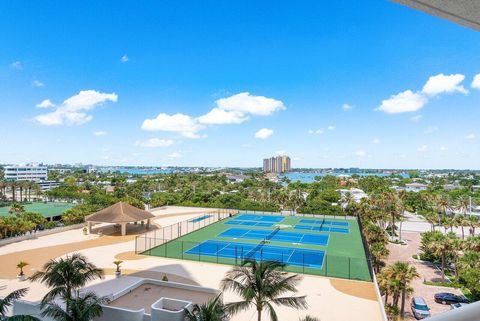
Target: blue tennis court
{"x": 276, "y": 235}
{"x": 261, "y": 252}
{"x": 249, "y": 223}
{"x": 324, "y": 222}
{"x": 259, "y": 218}
{"x": 201, "y": 218}
{"x": 321, "y": 228}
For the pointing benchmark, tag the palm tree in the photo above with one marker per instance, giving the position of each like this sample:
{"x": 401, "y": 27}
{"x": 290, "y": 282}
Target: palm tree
{"x": 385, "y": 283}
{"x": 81, "y": 308}
{"x": 261, "y": 284}
{"x": 379, "y": 252}
{"x": 444, "y": 247}
{"x": 65, "y": 276}
{"x": 432, "y": 218}
{"x": 20, "y": 266}
{"x": 8, "y": 301}
{"x": 213, "y": 310}
{"x": 461, "y": 221}
{"x": 473, "y": 222}
{"x": 16, "y": 208}
{"x": 403, "y": 273}
{"x": 473, "y": 243}
{"x": 13, "y": 187}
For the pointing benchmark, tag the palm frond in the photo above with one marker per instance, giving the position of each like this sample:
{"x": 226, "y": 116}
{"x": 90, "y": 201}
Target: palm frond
{"x": 10, "y": 298}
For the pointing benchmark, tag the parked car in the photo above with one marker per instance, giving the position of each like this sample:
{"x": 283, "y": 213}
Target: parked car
{"x": 420, "y": 308}
{"x": 457, "y": 305}
{"x": 450, "y": 298}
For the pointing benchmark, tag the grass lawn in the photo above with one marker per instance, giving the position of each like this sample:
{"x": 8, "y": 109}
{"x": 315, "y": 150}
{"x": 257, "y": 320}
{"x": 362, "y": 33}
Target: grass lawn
{"x": 46, "y": 209}
{"x": 344, "y": 253}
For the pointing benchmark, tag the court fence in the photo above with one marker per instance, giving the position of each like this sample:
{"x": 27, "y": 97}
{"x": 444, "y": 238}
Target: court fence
{"x": 328, "y": 265}
{"x": 165, "y": 242}
{"x": 144, "y": 241}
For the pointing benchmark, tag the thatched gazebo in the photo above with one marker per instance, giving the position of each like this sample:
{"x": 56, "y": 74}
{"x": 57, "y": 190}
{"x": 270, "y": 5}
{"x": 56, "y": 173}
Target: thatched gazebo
{"x": 120, "y": 213}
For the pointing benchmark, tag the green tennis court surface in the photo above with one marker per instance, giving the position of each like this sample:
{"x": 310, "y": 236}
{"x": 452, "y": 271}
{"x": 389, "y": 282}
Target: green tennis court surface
{"x": 46, "y": 209}
{"x": 316, "y": 251}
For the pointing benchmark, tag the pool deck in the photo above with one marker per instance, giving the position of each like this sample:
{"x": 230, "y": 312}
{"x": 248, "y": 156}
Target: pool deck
{"x": 327, "y": 298}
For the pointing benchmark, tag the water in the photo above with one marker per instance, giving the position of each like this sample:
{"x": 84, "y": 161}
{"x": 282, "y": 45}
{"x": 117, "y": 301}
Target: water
{"x": 136, "y": 170}
{"x": 310, "y": 177}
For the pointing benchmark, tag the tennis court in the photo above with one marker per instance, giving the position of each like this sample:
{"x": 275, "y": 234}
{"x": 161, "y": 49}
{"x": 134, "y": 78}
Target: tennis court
{"x": 201, "y": 218}
{"x": 249, "y": 223}
{"x": 259, "y": 218}
{"x": 276, "y": 236}
{"x": 321, "y": 228}
{"x": 323, "y": 222}
{"x": 46, "y": 209}
{"x": 241, "y": 251}
{"x": 330, "y": 247}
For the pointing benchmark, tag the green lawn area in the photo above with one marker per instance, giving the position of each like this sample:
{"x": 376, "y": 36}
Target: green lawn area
{"x": 46, "y": 209}
{"x": 344, "y": 253}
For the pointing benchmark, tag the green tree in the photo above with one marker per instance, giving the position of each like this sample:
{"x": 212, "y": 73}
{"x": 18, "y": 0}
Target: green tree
{"x": 85, "y": 307}
{"x": 261, "y": 285}
{"x": 444, "y": 247}
{"x": 213, "y": 310}
{"x": 66, "y": 276}
{"x": 8, "y": 301}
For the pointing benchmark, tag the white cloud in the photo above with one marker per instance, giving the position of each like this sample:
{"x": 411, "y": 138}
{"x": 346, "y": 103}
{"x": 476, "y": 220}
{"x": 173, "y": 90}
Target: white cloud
{"x": 471, "y": 136}
{"x": 183, "y": 124}
{"x": 73, "y": 110}
{"x": 155, "y": 142}
{"x": 47, "y": 103}
{"x": 264, "y": 133}
{"x": 219, "y": 116}
{"x": 174, "y": 155}
{"x": 37, "y": 83}
{"x": 100, "y": 133}
{"x": 476, "y": 81}
{"x": 16, "y": 65}
{"x": 281, "y": 152}
{"x": 376, "y": 140}
{"x": 406, "y": 101}
{"x": 441, "y": 83}
{"x": 347, "y": 107}
{"x": 235, "y": 109}
{"x": 124, "y": 59}
{"x": 360, "y": 153}
{"x": 431, "y": 129}
{"x": 416, "y": 118}
{"x": 315, "y": 131}
{"x": 246, "y": 103}
{"x": 409, "y": 101}
{"x": 331, "y": 127}
{"x": 443, "y": 148}
{"x": 422, "y": 148}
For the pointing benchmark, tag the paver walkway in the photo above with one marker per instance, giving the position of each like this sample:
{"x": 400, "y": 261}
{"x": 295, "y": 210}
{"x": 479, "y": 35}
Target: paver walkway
{"x": 427, "y": 272}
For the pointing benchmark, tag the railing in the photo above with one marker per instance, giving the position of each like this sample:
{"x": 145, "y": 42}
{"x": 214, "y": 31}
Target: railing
{"x": 147, "y": 241}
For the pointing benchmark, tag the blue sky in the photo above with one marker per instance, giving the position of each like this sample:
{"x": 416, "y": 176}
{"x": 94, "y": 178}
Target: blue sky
{"x": 226, "y": 83}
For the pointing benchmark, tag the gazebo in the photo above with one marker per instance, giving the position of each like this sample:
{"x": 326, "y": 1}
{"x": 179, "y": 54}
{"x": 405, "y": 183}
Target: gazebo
{"x": 120, "y": 213}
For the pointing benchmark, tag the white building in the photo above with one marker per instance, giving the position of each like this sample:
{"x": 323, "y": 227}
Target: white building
{"x": 25, "y": 173}
{"x": 356, "y": 193}
{"x": 415, "y": 187}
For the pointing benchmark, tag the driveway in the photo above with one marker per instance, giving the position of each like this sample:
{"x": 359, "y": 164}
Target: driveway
{"x": 427, "y": 273}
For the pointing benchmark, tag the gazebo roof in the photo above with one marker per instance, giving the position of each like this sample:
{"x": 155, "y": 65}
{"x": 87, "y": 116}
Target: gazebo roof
{"x": 120, "y": 212}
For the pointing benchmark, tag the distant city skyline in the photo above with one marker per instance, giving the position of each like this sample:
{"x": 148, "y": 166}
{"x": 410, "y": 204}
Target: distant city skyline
{"x": 224, "y": 84}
